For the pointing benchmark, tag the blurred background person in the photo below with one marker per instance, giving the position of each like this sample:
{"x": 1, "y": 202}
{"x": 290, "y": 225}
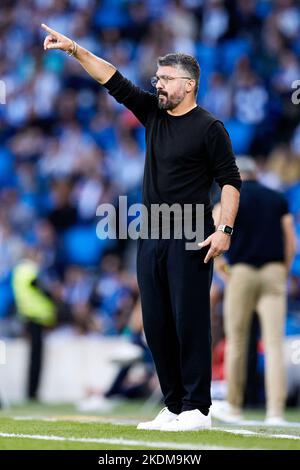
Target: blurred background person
{"x": 35, "y": 305}
{"x": 260, "y": 257}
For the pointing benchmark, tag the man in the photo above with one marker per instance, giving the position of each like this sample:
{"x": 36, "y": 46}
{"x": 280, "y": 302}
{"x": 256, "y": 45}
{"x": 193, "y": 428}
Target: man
{"x": 186, "y": 149}
{"x": 35, "y": 306}
{"x": 260, "y": 256}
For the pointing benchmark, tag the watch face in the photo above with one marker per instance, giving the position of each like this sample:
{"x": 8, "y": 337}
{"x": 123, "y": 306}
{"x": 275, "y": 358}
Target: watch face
{"x": 228, "y": 229}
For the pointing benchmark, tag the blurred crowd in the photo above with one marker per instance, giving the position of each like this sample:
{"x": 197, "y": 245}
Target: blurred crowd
{"x": 66, "y": 146}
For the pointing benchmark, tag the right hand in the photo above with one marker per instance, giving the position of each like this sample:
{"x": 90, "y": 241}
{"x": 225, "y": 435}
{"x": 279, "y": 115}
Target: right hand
{"x": 55, "y": 40}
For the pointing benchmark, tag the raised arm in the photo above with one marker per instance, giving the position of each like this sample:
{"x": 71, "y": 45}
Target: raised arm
{"x": 140, "y": 102}
{"x": 98, "y": 68}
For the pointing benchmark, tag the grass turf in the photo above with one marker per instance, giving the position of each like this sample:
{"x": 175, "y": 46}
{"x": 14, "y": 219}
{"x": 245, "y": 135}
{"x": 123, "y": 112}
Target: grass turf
{"x": 35, "y": 419}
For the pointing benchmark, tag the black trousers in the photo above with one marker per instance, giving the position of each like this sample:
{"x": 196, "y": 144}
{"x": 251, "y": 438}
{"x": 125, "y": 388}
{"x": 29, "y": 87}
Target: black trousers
{"x": 174, "y": 286}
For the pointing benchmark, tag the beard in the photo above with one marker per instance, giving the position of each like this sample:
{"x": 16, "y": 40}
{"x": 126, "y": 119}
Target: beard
{"x": 168, "y": 102}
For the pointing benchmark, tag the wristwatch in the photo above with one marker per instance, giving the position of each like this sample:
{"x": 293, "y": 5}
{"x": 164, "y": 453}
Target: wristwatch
{"x": 225, "y": 229}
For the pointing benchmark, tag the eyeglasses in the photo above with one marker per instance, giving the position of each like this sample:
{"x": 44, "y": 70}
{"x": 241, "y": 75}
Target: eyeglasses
{"x": 165, "y": 79}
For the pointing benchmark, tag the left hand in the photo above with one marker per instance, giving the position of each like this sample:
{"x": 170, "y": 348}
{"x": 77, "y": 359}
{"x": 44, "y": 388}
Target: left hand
{"x": 55, "y": 40}
{"x": 218, "y": 241}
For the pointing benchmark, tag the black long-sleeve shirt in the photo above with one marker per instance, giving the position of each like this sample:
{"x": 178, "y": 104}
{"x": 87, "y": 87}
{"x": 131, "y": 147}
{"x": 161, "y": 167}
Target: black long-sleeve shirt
{"x": 184, "y": 154}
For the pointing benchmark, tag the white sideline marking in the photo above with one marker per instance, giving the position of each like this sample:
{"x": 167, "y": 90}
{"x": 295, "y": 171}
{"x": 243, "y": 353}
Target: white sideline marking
{"x": 288, "y": 424}
{"x": 245, "y": 432}
{"x": 123, "y": 442}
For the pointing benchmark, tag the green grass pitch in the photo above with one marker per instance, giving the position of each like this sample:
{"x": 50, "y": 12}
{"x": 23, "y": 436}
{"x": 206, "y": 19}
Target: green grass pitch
{"x": 39, "y": 427}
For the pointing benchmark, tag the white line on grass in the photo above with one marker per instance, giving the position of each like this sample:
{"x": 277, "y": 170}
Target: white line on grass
{"x": 287, "y": 424}
{"x": 245, "y": 432}
{"x": 121, "y": 442}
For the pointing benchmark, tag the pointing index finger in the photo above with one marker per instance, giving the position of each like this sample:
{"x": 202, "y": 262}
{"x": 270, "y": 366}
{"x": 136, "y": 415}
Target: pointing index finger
{"x": 49, "y": 30}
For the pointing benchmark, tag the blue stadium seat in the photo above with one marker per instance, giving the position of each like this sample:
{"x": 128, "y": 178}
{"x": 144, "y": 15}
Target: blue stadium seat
{"x": 292, "y": 325}
{"x": 81, "y": 245}
{"x": 231, "y": 51}
{"x": 293, "y": 197}
{"x": 241, "y": 135}
{"x": 6, "y": 296}
{"x": 207, "y": 56}
{"x": 7, "y": 174}
{"x": 111, "y": 14}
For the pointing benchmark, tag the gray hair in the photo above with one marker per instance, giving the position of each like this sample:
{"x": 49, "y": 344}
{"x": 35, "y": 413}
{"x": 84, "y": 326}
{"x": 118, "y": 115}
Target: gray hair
{"x": 185, "y": 62}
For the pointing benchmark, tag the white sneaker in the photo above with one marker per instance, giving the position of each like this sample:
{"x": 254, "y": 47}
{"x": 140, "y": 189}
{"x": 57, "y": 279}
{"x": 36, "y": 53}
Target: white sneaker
{"x": 164, "y": 417}
{"x": 192, "y": 420}
{"x": 223, "y": 411}
{"x": 275, "y": 421}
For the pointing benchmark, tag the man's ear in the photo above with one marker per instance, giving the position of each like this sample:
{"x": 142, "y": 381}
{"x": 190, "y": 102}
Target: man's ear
{"x": 190, "y": 86}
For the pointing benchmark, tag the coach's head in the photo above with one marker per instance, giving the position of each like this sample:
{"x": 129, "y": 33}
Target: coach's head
{"x": 177, "y": 80}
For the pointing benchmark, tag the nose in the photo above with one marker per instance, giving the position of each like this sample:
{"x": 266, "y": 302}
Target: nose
{"x": 159, "y": 85}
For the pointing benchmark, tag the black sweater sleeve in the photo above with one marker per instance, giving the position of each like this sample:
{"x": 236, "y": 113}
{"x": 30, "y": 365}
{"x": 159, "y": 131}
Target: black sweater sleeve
{"x": 221, "y": 157}
{"x": 140, "y": 102}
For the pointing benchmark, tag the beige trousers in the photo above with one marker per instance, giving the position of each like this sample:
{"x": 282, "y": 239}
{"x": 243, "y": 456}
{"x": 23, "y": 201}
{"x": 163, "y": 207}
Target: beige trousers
{"x": 261, "y": 290}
